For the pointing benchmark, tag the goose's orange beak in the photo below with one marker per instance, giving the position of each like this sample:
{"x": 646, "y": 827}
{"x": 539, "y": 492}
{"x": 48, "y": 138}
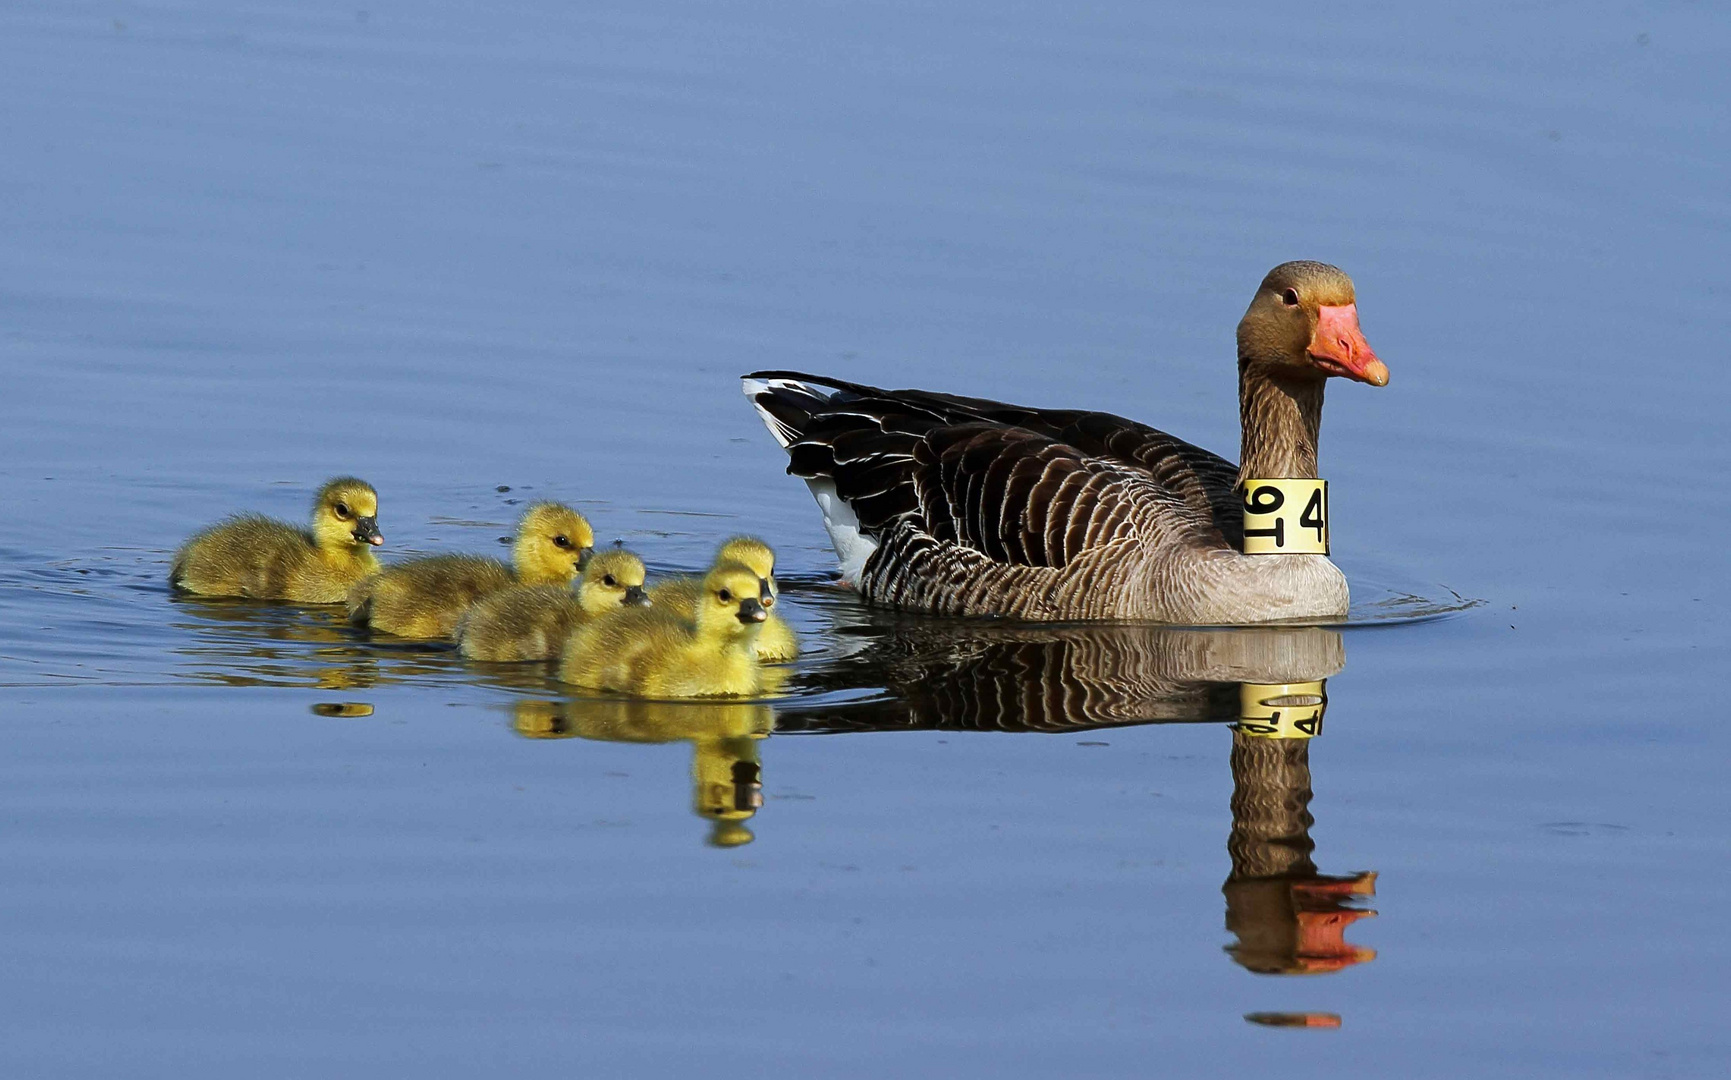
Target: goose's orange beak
{"x": 1338, "y": 347}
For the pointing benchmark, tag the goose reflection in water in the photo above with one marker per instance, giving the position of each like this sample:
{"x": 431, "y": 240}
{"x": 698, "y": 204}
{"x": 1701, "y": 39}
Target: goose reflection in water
{"x": 1287, "y": 917}
{"x": 727, "y": 776}
{"x": 953, "y": 675}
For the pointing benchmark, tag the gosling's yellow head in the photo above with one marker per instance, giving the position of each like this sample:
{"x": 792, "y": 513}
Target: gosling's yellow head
{"x": 553, "y": 544}
{"x": 611, "y": 579}
{"x": 731, "y": 600}
{"x": 346, "y": 512}
{"x": 756, "y": 555}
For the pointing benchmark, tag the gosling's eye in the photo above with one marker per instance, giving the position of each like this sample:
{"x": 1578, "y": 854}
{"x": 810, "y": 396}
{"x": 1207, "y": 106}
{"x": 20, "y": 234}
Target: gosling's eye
{"x": 342, "y": 510}
{"x": 562, "y": 541}
{"x": 724, "y": 596}
{"x": 608, "y": 580}
{"x": 1289, "y": 298}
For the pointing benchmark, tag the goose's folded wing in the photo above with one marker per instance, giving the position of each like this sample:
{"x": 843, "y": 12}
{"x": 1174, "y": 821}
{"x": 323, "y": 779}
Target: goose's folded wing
{"x": 1026, "y": 487}
{"x": 1204, "y": 481}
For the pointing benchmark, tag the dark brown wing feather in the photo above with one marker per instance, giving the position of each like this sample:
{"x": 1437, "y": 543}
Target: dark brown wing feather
{"x": 1020, "y": 486}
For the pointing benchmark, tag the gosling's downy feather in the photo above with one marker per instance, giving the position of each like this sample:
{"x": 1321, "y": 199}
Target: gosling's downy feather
{"x": 532, "y": 622}
{"x": 523, "y": 622}
{"x": 650, "y": 652}
{"x": 262, "y": 558}
{"x": 424, "y": 598}
{"x": 776, "y": 642}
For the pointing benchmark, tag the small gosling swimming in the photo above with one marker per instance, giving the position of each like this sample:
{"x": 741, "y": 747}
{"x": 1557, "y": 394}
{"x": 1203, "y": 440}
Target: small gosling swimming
{"x": 265, "y": 559}
{"x": 424, "y": 598}
{"x": 650, "y": 652}
{"x": 776, "y": 642}
{"x": 531, "y": 622}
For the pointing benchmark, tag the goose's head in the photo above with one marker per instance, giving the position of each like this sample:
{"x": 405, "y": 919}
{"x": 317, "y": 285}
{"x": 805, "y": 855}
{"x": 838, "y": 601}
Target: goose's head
{"x": 732, "y": 603}
{"x": 553, "y": 544}
{"x": 1303, "y": 322}
{"x": 346, "y": 513}
{"x": 612, "y": 578}
{"x": 756, "y": 556}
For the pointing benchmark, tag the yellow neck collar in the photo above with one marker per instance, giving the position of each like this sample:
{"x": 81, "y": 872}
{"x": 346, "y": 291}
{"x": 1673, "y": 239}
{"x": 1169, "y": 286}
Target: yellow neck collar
{"x": 1285, "y": 517}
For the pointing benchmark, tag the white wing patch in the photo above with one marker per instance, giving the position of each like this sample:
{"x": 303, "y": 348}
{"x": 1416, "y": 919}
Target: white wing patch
{"x": 852, "y": 547}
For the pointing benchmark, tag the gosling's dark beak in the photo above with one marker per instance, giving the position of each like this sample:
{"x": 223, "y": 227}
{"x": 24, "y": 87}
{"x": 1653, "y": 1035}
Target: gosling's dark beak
{"x": 367, "y": 531}
{"x": 751, "y": 611}
{"x": 635, "y": 596}
{"x": 765, "y": 594}
{"x": 583, "y": 558}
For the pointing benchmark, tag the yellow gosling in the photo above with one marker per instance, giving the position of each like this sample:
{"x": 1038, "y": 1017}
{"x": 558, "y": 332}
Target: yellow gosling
{"x": 531, "y": 622}
{"x": 265, "y": 559}
{"x": 424, "y": 598}
{"x": 653, "y": 653}
{"x": 777, "y": 642}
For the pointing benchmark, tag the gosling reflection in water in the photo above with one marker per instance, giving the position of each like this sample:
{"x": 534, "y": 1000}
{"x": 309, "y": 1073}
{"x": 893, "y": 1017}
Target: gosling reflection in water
{"x": 254, "y": 643}
{"x": 727, "y": 775}
{"x": 246, "y": 643}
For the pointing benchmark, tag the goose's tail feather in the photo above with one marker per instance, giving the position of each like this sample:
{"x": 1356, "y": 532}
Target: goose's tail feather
{"x": 788, "y": 403}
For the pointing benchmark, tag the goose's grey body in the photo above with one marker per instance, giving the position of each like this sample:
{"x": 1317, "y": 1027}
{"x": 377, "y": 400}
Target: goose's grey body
{"x": 961, "y": 506}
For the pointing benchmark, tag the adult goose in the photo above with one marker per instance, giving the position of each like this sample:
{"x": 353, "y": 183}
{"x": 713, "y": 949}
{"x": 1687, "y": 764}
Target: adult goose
{"x": 962, "y": 506}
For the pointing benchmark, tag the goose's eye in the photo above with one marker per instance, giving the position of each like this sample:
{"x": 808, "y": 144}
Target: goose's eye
{"x": 724, "y": 596}
{"x": 342, "y": 509}
{"x": 562, "y": 541}
{"x": 608, "y": 580}
{"x": 1289, "y": 298}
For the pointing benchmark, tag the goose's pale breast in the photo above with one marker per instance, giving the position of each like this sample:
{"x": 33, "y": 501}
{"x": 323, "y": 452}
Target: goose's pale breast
{"x": 1220, "y": 586}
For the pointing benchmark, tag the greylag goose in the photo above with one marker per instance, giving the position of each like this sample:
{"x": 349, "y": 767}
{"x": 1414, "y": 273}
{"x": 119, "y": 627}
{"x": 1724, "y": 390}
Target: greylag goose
{"x": 963, "y": 506}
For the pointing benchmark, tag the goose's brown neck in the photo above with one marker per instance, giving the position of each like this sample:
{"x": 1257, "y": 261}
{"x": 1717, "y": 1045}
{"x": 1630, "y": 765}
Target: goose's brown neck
{"x": 1280, "y": 417}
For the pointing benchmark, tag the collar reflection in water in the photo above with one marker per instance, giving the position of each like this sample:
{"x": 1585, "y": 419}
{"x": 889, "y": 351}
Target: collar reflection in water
{"x": 1268, "y": 684}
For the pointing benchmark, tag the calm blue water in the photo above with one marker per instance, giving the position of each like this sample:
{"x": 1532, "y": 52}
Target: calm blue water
{"x": 247, "y": 246}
